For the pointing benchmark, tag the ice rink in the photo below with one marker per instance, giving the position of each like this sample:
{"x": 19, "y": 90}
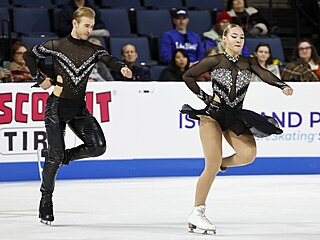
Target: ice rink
{"x": 242, "y": 208}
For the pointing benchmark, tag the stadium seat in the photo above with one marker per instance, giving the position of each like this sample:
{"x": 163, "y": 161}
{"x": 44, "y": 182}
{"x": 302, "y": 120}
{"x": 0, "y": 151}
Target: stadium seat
{"x": 127, "y": 4}
{"x": 32, "y": 21}
{"x": 60, "y": 3}
{"x": 200, "y": 21}
{"x": 156, "y": 71}
{"x": 32, "y": 3}
{"x": 153, "y": 23}
{"x": 116, "y": 21}
{"x": 274, "y": 42}
{"x": 4, "y": 3}
{"x": 163, "y": 4}
{"x": 5, "y": 21}
{"x": 141, "y": 44}
{"x": 56, "y": 14}
{"x": 217, "y": 5}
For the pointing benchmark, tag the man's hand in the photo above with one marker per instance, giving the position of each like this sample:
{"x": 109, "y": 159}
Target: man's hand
{"x": 46, "y": 84}
{"x": 126, "y": 72}
{"x": 288, "y": 91}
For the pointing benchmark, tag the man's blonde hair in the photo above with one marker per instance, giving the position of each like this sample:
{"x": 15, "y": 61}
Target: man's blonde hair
{"x": 84, "y": 12}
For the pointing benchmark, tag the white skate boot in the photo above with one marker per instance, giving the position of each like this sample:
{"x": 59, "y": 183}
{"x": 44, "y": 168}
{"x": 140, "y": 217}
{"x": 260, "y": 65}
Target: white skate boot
{"x": 198, "y": 219}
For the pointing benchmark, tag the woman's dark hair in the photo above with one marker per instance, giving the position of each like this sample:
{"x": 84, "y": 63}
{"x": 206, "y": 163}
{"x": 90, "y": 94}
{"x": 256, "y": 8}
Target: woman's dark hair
{"x": 184, "y": 53}
{"x": 314, "y": 53}
{"x": 230, "y": 3}
{"x": 269, "y": 60}
{"x": 16, "y": 46}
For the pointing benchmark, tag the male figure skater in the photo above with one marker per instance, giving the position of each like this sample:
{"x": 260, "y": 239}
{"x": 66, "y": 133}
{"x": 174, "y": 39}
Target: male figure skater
{"x": 73, "y": 58}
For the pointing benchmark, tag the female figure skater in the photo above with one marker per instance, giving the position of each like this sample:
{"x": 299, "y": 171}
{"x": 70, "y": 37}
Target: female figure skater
{"x": 224, "y": 116}
{"x": 74, "y": 58}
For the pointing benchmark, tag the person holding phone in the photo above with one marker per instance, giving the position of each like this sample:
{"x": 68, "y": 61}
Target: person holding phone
{"x": 5, "y": 73}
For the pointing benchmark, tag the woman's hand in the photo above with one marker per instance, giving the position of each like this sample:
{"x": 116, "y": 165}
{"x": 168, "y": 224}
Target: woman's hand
{"x": 287, "y": 91}
{"x": 46, "y": 84}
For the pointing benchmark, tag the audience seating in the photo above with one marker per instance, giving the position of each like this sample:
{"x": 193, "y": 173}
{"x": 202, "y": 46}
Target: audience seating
{"x": 163, "y": 4}
{"x": 116, "y": 21}
{"x": 127, "y": 4}
{"x": 217, "y": 5}
{"x": 5, "y": 21}
{"x": 156, "y": 71}
{"x": 153, "y": 23}
{"x": 4, "y": 3}
{"x": 32, "y": 21}
{"x": 60, "y": 3}
{"x": 200, "y": 21}
{"x": 143, "y": 27}
{"x": 32, "y": 3}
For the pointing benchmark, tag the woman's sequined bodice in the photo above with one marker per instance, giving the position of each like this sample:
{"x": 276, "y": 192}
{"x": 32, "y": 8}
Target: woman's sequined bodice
{"x": 222, "y": 84}
{"x": 230, "y": 77}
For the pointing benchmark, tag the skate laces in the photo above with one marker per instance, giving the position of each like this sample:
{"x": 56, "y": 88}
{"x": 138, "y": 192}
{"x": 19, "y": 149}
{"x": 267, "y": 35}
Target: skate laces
{"x": 203, "y": 216}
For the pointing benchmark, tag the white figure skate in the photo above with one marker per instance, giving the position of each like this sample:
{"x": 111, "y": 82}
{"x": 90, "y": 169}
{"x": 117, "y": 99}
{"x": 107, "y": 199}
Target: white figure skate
{"x": 198, "y": 219}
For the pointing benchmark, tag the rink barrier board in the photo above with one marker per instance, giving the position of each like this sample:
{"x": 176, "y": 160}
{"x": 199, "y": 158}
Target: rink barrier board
{"x": 140, "y": 168}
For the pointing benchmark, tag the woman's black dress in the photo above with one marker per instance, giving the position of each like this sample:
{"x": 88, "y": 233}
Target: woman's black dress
{"x": 230, "y": 81}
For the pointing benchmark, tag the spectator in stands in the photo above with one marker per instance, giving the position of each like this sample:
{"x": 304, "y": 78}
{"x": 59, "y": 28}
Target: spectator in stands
{"x": 129, "y": 57}
{"x": 100, "y": 72}
{"x": 263, "y": 54}
{"x": 180, "y": 37}
{"x": 19, "y": 69}
{"x": 304, "y": 66}
{"x": 249, "y": 18}
{"x": 5, "y": 73}
{"x": 179, "y": 64}
{"x": 66, "y": 15}
{"x": 213, "y": 37}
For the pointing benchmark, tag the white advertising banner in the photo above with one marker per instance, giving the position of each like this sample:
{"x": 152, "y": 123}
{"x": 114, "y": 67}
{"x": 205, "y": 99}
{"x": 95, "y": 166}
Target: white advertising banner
{"x": 142, "y": 120}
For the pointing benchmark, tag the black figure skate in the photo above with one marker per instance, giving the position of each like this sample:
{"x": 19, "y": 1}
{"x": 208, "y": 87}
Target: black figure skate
{"x": 46, "y": 209}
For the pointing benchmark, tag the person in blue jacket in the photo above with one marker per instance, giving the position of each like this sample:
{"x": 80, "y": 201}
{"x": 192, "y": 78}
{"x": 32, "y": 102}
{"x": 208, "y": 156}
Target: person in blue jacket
{"x": 181, "y": 38}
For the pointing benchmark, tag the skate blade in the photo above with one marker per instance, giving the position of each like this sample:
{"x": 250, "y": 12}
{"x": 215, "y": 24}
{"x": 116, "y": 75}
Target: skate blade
{"x": 39, "y": 163}
{"x": 46, "y": 222}
{"x": 200, "y": 231}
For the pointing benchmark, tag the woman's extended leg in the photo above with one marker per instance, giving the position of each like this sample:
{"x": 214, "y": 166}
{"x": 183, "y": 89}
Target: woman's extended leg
{"x": 211, "y": 139}
{"x": 245, "y": 149}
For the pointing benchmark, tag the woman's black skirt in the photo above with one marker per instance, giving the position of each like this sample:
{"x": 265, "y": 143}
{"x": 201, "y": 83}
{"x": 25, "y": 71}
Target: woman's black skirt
{"x": 240, "y": 121}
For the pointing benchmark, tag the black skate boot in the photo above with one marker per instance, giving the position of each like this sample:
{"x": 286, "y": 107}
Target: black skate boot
{"x": 46, "y": 209}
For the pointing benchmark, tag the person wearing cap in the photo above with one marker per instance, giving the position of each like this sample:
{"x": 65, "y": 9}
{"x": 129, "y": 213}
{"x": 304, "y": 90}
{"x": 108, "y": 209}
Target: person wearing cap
{"x": 249, "y": 18}
{"x": 129, "y": 56}
{"x": 213, "y": 37}
{"x": 180, "y": 37}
